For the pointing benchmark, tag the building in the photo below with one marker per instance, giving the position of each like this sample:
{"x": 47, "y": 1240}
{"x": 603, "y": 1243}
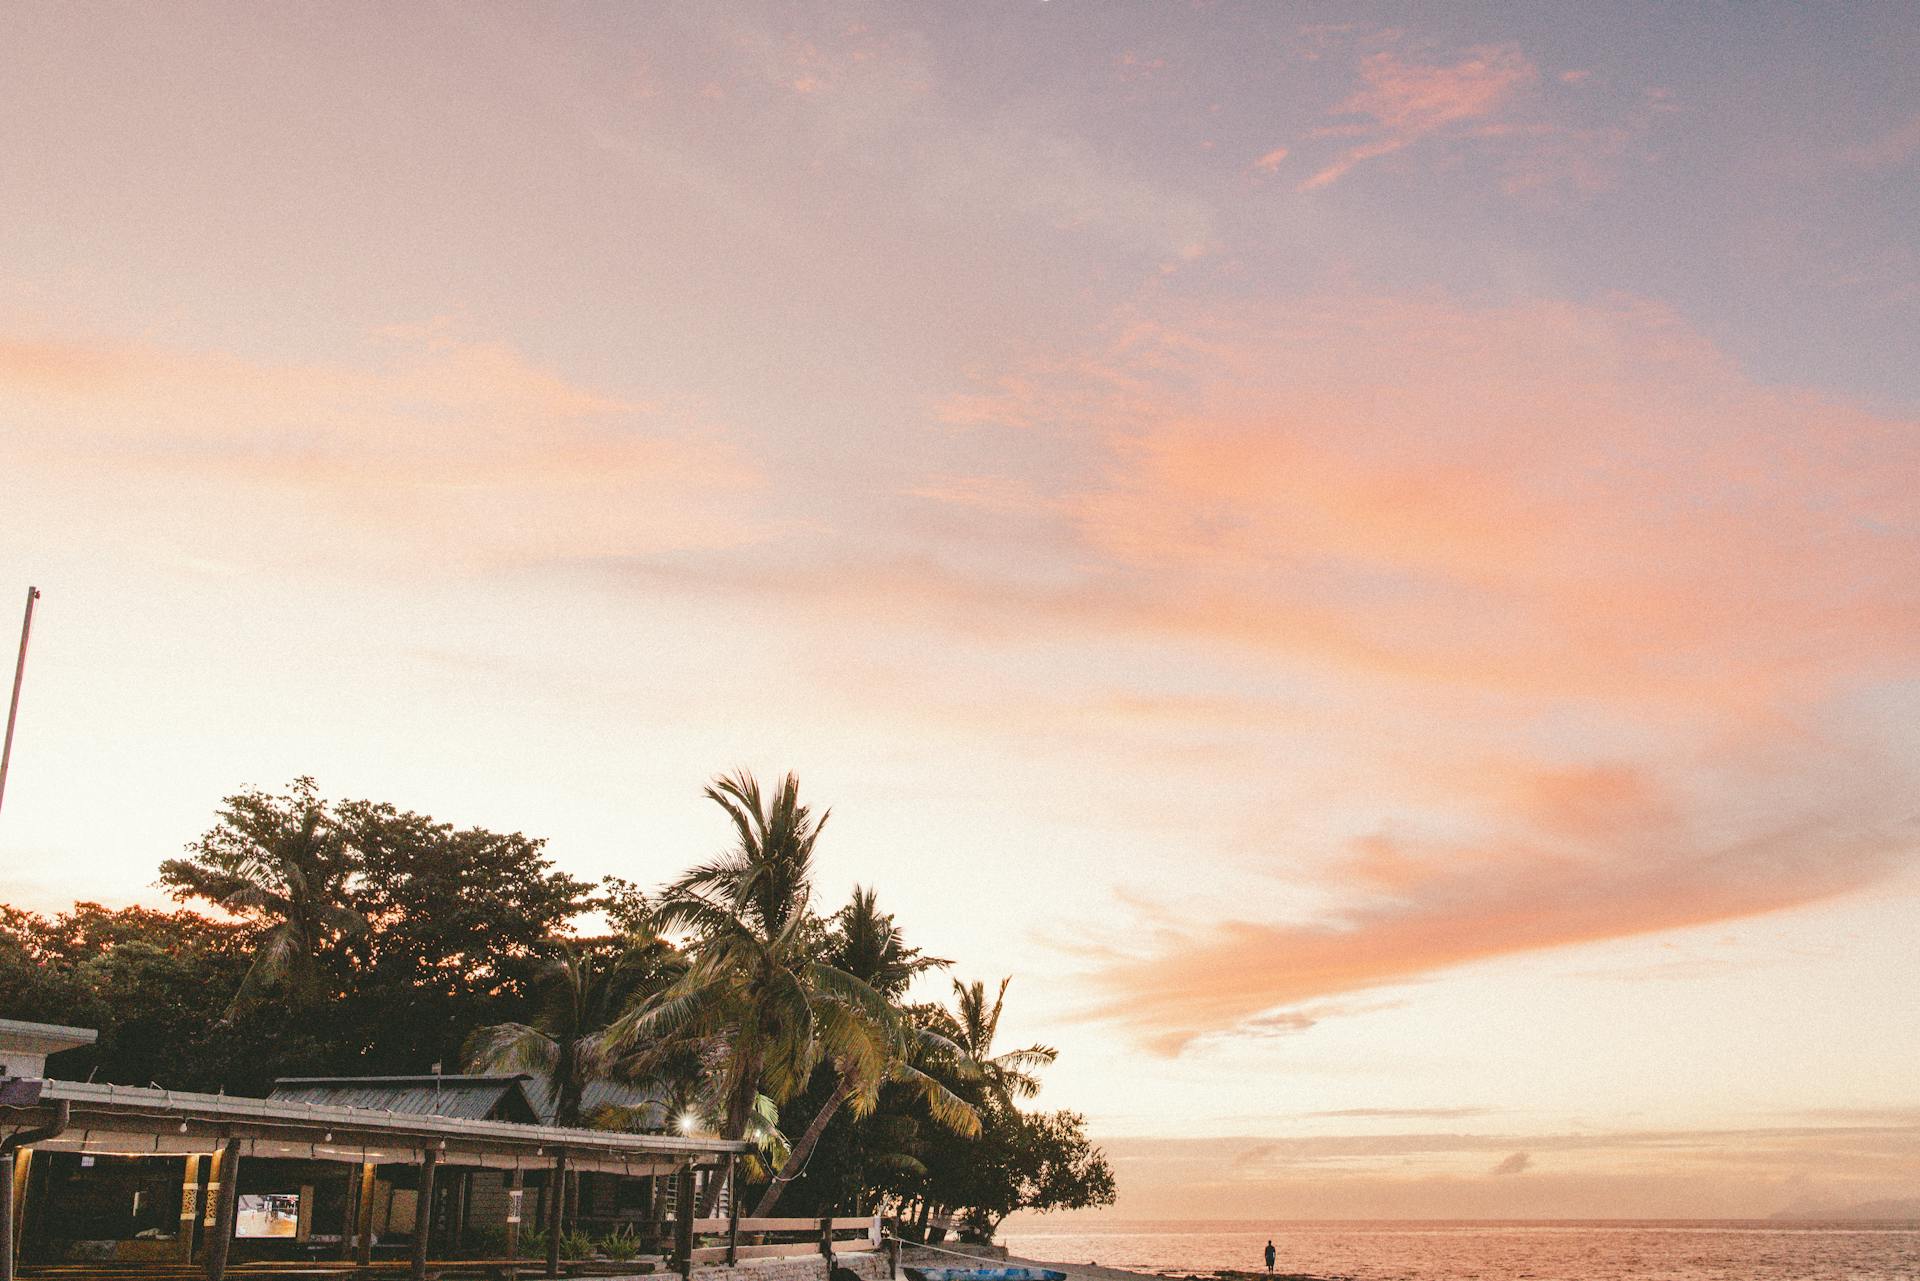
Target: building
{"x": 353, "y": 1171}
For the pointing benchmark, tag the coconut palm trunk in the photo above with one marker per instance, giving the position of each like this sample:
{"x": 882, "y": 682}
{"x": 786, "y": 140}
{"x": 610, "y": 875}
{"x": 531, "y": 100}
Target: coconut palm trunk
{"x": 797, "y": 1159}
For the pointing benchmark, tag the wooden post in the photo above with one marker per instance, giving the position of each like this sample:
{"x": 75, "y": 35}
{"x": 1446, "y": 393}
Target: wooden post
{"x": 363, "y": 1245}
{"x": 683, "y": 1212}
{"x": 556, "y": 1198}
{"x": 189, "y": 1208}
{"x": 226, "y": 1203}
{"x": 462, "y": 1206}
{"x": 17, "y": 1207}
{"x": 516, "y": 1196}
{"x": 16, "y": 1171}
{"x": 733, "y": 1213}
{"x": 423, "y": 1213}
{"x": 349, "y": 1214}
{"x": 6, "y": 1220}
{"x": 826, "y": 1242}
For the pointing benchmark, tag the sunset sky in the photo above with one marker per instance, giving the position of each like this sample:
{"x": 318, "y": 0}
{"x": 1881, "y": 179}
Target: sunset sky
{"x": 1369, "y": 557}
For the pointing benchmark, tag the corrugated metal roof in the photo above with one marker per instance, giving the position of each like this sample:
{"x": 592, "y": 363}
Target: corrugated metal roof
{"x": 647, "y": 1106}
{"x": 160, "y": 1108}
{"x": 466, "y": 1098}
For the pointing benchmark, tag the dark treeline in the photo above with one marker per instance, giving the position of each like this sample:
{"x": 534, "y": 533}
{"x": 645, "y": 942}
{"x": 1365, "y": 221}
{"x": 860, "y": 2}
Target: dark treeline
{"x": 358, "y": 938}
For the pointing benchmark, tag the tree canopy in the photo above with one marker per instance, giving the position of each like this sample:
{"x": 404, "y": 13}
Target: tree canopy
{"x": 343, "y": 937}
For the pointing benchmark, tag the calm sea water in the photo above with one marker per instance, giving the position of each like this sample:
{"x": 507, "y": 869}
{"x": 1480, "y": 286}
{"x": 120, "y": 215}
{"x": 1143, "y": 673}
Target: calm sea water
{"x": 1462, "y": 1251}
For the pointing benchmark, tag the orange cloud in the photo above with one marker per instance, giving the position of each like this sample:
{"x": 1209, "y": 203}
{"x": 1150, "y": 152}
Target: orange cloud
{"x": 1696, "y": 1173}
{"x": 1610, "y": 593}
{"x": 1429, "y": 905}
{"x": 463, "y": 443}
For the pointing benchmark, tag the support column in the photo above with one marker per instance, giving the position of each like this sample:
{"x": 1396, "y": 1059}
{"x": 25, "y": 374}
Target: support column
{"x": 349, "y": 1212}
{"x": 458, "y": 1204}
{"x": 826, "y": 1242}
{"x": 556, "y": 1198}
{"x": 516, "y": 1198}
{"x": 733, "y": 1212}
{"x": 423, "y": 1213}
{"x": 683, "y": 1212}
{"x": 20, "y": 1165}
{"x": 189, "y": 1208}
{"x": 363, "y": 1247}
{"x": 6, "y": 1220}
{"x": 225, "y": 1204}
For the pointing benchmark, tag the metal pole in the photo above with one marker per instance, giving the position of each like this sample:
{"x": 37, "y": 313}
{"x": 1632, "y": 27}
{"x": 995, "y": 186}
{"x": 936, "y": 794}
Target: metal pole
{"x": 19, "y": 671}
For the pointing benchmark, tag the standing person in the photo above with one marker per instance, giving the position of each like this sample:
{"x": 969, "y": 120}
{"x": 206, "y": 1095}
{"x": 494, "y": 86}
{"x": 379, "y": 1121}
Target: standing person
{"x": 1269, "y": 1257}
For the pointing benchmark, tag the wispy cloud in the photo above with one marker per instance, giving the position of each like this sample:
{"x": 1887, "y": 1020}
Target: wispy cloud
{"x": 1888, "y": 150}
{"x": 1730, "y": 1172}
{"x": 1403, "y": 102}
{"x": 1493, "y": 98}
{"x": 1627, "y": 582}
{"x": 460, "y": 442}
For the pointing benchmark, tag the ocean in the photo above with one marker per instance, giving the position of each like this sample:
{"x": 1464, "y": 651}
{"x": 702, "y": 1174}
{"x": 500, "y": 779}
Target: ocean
{"x": 1492, "y": 1251}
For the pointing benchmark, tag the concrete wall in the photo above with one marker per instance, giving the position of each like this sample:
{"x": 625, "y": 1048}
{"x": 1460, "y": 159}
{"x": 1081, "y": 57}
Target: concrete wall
{"x": 868, "y": 1267}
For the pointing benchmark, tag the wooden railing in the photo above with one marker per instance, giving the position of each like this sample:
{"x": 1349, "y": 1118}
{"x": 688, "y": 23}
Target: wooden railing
{"x": 815, "y": 1236}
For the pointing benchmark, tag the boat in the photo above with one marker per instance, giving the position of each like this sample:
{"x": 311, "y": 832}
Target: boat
{"x": 985, "y": 1274}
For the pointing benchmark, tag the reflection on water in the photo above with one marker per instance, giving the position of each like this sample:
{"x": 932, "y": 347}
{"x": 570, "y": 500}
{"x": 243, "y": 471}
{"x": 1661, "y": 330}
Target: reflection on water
{"x": 1457, "y": 1251}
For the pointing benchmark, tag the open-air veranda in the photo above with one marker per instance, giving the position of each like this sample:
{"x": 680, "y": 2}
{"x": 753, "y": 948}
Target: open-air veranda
{"x": 110, "y": 1180}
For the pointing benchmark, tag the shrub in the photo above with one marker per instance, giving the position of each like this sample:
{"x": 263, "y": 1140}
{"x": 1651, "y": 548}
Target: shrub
{"x": 620, "y": 1244}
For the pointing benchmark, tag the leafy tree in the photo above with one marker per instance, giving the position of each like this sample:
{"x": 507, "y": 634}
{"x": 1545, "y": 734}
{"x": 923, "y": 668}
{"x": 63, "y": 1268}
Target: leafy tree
{"x": 155, "y": 985}
{"x": 282, "y": 862}
{"x": 461, "y": 929}
{"x": 1020, "y": 1161}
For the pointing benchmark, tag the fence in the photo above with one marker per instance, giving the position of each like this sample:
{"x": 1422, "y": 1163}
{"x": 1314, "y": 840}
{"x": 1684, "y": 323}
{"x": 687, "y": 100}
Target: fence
{"x": 815, "y": 1236}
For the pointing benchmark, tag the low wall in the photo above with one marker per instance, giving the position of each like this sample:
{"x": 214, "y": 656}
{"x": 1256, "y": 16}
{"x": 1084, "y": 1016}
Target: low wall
{"x": 867, "y": 1266}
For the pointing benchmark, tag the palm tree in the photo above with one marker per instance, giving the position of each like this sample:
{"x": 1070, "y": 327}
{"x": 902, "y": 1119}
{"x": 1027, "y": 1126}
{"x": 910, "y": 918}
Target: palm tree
{"x": 867, "y": 945}
{"x": 760, "y": 980}
{"x": 284, "y": 862}
{"x": 974, "y": 1024}
{"x": 579, "y": 992}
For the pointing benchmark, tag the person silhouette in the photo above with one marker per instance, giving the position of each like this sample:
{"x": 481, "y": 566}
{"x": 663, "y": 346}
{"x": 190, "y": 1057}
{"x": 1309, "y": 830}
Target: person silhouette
{"x": 1269, "y": 1256}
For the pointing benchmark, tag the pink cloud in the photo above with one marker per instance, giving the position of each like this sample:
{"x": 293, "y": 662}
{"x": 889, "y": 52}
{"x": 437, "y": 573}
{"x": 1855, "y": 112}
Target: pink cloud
{"x": 1403, "y": 102}
{"x": 1890, "y": 149}
{"x": 1492, "y": 98}
{"x": 464, "y": 443}
{"x": 1495, "y": 523}
{"x": 1271, "y": 161}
